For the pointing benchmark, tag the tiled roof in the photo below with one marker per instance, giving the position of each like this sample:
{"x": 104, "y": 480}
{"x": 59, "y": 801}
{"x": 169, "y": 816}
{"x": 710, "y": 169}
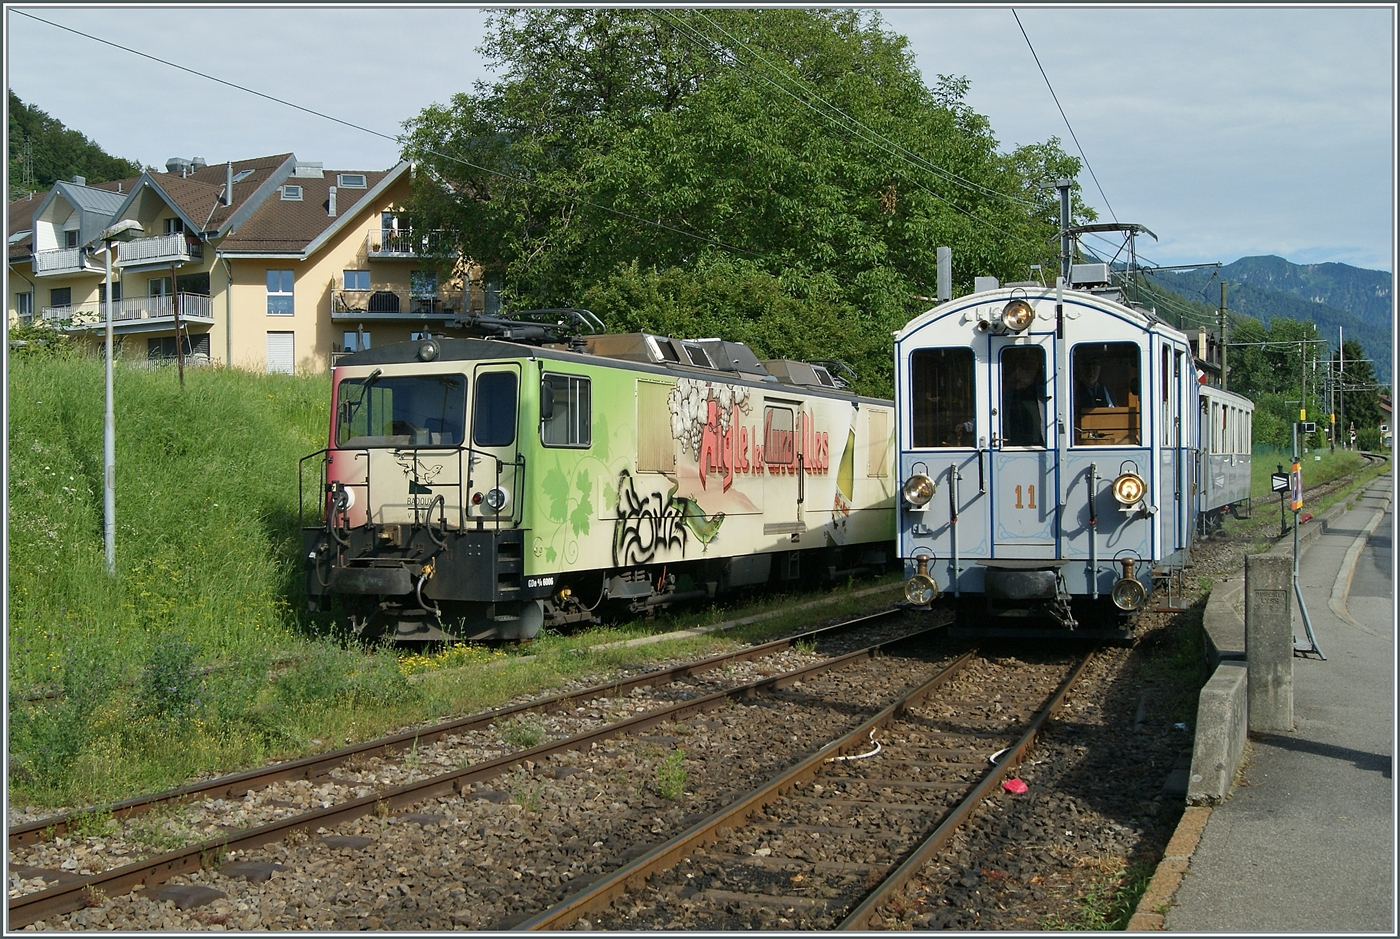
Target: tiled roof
{"x": 280, "y": 225}
{"x": 198, "y": 194}
{"x": 21, "y": 219}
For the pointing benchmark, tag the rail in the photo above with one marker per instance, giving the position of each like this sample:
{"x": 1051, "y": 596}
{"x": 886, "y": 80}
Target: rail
{"x": 193, "y": 306}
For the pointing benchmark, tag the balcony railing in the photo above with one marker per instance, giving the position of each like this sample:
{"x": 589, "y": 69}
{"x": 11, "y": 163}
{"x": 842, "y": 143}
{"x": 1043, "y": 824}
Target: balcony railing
{"x": 176, "y": 248}
{"x": 58, "y": 261}
{"x": 395, "y": 302}
{"x": 153, "y": 311}
{"x": 408, "y": 244}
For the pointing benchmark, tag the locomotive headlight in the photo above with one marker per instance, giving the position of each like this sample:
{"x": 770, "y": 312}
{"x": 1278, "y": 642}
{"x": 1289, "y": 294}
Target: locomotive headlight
{"x": 918, "y": 489}
{"x": 1129, "y": 489}
{"x": 1017, "y": 315}
{"x": 921, "y": 590}
{"x": 496, "y": 499}
{"x": 428, "y": 351}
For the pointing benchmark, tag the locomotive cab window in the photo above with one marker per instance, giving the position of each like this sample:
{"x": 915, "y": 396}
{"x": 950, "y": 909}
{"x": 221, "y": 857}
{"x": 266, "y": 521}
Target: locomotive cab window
{"x": 566, "y": 411}
{"x": 1023, "y": 398}
{"x": 942, "y": 389}
{"x": 1107, "y": 394}
{"x": 401, "y": 411}
{"x": 493, "y": 419}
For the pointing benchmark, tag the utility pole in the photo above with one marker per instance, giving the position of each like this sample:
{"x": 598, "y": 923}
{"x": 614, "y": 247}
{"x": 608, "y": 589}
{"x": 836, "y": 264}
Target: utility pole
{"x": 1224, "y": 375}
{"x": 1063, "y": 185}
{"x": 175, "y": 309}
{"x": 1341, "y": 397}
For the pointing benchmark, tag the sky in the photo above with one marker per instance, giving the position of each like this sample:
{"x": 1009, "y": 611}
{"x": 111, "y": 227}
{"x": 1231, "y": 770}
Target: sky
{"x": 1227, "y": 131}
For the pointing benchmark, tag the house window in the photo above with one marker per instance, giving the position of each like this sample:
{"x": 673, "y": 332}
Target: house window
{"x": 279, "y": 293}
{"x": 163, "y": 348}
{"x": 61, "y": 296}
{"x": 116, "y": 291}
{"x": 291, "y": 193}
{"x": 70, "y": 239}
{"x": 571, "y": 423}
{"x": 351, "y": 180}
{"x": 173, "y": 226}
{"x": 423, "y": 284}
{"x": 24, "y": 304}
{"x": 356, "y": 280}
{"x": 281, "y": 357}
{"x": 158, "y": 287}
{"x": 357, "y": 341}
{"x": 414, "y": 337}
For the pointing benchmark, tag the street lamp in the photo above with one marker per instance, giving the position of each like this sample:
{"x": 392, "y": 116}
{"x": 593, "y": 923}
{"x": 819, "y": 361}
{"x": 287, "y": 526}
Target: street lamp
{"x": 122, "y": 231}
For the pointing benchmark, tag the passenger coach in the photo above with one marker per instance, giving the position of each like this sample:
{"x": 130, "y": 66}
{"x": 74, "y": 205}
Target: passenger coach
{"x": 1048, "y": 454}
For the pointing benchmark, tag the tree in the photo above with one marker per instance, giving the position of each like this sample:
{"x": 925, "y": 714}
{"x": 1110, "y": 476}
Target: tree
{"x": 1358, "y": 395}
{"x": 745, "y": 173}
{"x": 54, "y": 153}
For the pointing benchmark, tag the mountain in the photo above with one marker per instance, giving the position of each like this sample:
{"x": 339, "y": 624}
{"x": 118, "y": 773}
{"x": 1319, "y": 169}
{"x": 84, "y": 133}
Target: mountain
{"x": 1357, "y": 300}
{"x": 55, "y": 152}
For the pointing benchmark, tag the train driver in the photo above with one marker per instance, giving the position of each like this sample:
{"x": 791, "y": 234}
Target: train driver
{"x": 1091, "y": 393}
{"x": 1025, "y": 402}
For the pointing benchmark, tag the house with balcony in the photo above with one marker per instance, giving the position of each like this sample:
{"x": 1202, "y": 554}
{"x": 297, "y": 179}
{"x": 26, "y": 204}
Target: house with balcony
{"x": 272, "y": 264}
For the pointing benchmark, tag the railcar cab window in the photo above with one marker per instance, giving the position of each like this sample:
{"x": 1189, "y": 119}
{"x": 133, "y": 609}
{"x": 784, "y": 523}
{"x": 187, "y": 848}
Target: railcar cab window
{"x": 1107, "y": 394}
{"x": 493, "y": 420}
{"x": 401, "y": 411}
{"x": 566, "y": 411}
{"x": 1023, "y": 399}
{"x": 944, "y": 400}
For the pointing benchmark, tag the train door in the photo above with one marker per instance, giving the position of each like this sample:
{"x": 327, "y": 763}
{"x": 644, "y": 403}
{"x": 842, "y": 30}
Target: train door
{"x": 495, "y": 473}
{"x": 1023, "y": 448}
{"x": 784, "y": 483}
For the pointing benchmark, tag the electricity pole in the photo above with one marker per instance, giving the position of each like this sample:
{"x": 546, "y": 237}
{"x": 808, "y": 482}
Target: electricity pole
{"x": 1224, "y": 375}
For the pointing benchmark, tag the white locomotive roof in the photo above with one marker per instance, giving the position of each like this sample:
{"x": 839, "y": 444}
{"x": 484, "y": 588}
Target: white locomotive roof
{"x": 1036, "y": 296}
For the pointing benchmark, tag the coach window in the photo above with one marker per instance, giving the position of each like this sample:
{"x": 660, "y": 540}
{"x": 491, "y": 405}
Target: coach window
{"x": 944, "y": 410}
{"x": 1107, "y": 394}
{"x": 493, "y": 420}
{"x": 568, "y": 402}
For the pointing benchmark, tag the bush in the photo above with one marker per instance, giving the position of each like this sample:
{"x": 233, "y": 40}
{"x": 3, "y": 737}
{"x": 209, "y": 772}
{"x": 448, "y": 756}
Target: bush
{"x": 171, "y": 685}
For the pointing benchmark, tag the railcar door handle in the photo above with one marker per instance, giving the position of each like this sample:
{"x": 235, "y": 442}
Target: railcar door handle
{"x": 801, "y": 479}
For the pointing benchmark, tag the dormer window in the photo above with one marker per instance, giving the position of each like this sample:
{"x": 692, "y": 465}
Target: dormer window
{"x": 173, "y": 226}
{"x": 351, "y": 180}
{"x": 291, "y": 193}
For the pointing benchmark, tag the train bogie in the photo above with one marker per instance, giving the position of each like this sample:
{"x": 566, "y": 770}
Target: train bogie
{"x": 1049, "y": 455}
{"x": 482, "y": 488}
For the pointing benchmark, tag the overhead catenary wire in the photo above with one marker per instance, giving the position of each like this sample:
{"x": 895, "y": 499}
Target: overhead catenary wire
{"x": 1072, "y": 134}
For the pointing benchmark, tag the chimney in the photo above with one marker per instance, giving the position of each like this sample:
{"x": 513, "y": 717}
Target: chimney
{"x": 80, "y": 180}
{"x": 228, "y": 184}
{"x": 330, "y": 204}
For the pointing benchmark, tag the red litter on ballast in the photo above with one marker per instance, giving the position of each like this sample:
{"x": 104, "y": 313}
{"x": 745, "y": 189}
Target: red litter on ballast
{"x": 1015, "y": 786}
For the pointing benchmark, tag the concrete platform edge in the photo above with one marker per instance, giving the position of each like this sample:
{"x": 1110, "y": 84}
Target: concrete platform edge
{"x": 1223, "y": 624}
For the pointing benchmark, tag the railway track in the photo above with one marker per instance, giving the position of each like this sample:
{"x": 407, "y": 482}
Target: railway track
{"x": 802, "y": 851}
{"x": 47, "y": 876}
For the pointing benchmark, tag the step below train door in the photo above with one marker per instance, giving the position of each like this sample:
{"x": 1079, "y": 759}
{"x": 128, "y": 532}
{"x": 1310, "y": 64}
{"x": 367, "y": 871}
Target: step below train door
{"x": 1023, "y": 447}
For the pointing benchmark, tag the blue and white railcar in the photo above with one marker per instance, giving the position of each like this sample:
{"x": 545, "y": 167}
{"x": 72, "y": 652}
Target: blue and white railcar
{"x": 1226, "y": 443}
{"x": 1048, "y": 456}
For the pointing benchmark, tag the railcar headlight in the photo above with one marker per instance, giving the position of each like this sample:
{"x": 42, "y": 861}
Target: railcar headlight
{"x": 1129, "y": 489}
{"x": 921, "y": 590}
{"x": 496, "y": 499}
{"x": 428, "y": 351}
{"x": 1128, "y": 594}
{"x": 918, "y": 489}
{"x": 1017, "y": 315}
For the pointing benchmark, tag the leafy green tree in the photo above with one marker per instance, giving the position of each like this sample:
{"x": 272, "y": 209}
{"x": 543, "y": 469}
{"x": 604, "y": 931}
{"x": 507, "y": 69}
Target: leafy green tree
{"x": 780, "y": 177}
{"x": 1359, "y": 398}
{"x": 55, "y": 153}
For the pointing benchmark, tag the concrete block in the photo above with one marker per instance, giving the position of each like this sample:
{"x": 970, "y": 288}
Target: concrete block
{"x": 1222, "y": 728}
{"x": 1223, "y": 622}
{"x": 1268, "y": 641}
